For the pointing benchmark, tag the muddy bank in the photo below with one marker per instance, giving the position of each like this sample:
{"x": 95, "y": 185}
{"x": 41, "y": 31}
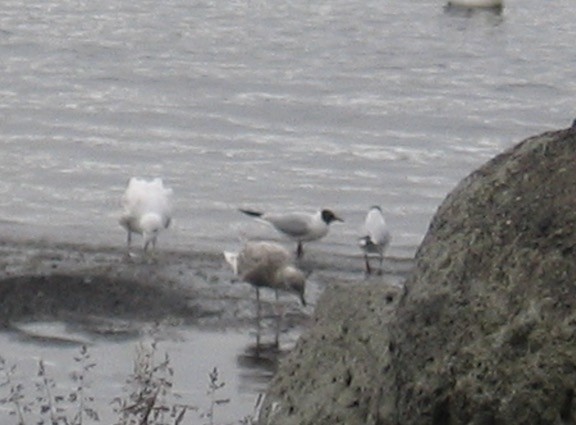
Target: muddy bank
{"x": 102, "y": 290}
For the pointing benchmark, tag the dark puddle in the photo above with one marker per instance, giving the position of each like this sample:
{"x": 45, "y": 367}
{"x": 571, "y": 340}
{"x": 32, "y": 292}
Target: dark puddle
{"x": 90, "y": 301}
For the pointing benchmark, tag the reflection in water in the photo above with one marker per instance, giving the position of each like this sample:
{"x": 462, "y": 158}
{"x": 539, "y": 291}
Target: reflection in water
{"x": 260, "y": 345}
{"x": 259, "y": 360}
{"x": 245, "y": 367}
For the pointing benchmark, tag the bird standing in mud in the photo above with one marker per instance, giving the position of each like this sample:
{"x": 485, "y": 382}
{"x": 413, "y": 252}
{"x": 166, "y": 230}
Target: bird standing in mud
{"x": 300, "y": 227}
{"x": 147, "y": 210}
{"x": 267, "y": 265}
{"x": 376, "y": 237}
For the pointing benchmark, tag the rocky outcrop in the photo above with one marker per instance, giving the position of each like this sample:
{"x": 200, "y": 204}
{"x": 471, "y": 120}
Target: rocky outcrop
{"x": 335, "y": 373}
{"x": 485, "y": 332}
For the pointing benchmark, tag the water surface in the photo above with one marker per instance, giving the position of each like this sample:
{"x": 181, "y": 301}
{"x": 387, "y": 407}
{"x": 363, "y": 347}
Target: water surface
{"x": 270, "y": 105}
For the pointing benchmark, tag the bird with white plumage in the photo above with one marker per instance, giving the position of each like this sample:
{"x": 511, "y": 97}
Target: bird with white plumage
{"x": 476, "y": 4}
{"x": 299, "y": 226}
{"x": 147, "y": 210}
{"x": 375, "y": 237}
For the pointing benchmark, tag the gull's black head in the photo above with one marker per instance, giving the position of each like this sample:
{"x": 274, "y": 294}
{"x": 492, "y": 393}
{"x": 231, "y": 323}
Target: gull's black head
{"x": 328, "y": 217}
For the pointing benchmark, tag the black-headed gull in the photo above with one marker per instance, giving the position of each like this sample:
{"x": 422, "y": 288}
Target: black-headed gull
{"x": 298, "y": 226}
{"x": 147, "y": 210}
{"x": 375, "y": 236}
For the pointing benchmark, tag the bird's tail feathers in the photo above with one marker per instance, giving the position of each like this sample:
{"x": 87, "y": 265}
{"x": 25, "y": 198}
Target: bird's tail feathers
{"x": 251, "y": 213}
{"x": 151, "y": 222}
{"x": 232, "y": 259}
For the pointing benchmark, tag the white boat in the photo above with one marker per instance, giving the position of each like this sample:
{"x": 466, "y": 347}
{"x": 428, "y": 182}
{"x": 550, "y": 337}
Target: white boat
{"x": 476, "y": 4}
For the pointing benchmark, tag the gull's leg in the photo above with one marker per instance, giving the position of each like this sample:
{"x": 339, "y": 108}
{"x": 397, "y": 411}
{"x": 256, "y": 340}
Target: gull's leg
{"x": 258, "y": 307}
{"x": 367, "y": 261}
{"x": 277, "y": 332}
{"x": 258, "y": 328}
{"x": 299, "y": 250}
{"x": 150, "y": 243}
{"x": 279, "y": 308}
{"x": 279, "y": 317}
{"x": 128, "y": 246}
{"x": 153, "y": 253}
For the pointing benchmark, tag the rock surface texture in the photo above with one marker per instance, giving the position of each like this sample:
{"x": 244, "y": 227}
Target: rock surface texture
{"x": 485, "y": 331}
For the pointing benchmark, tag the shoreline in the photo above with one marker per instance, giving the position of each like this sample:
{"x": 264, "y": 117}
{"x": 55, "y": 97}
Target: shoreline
{"x": 195, "y": 287}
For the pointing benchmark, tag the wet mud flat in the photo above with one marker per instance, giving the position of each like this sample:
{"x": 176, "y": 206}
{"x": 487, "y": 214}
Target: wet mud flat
{"x": 55, "y": 297}
{"x": 106, "y": 292}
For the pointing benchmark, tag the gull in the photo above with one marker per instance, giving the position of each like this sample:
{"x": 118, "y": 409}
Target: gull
{"x": 267, "y": 265}
{"x": 376, "y": 236}
{"x": 147, "y": 210}
{"x": 298, "y": 226}
{"x": 476, "y": 4}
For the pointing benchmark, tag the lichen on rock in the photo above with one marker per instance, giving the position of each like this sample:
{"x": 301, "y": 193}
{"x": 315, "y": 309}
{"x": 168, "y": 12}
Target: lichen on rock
{"x": 333, "y": 374}
{"x": 486, "y": 330}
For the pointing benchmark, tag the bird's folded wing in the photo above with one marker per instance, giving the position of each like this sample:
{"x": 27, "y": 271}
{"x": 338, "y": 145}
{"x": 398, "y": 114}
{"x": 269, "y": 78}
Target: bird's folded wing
{"x": 294, "y": 225}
